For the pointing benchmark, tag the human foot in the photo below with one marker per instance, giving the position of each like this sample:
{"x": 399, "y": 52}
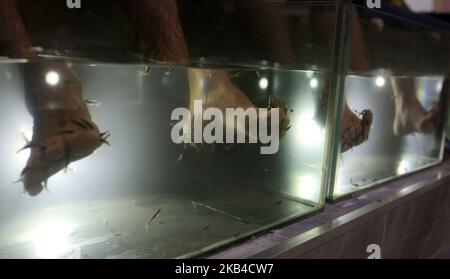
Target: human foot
{"x": 410, "y": 115}
{"x": 63, "y": 131}
{"x": 355, "y": 130}
{"x": 215, "y": 90}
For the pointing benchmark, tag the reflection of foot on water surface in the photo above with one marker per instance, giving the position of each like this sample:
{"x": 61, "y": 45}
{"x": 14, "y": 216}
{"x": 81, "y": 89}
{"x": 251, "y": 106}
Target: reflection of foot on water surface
{"x": 63, "y": 130}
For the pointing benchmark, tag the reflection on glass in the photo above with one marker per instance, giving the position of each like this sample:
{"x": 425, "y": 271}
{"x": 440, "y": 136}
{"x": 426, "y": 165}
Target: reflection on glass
{"x": 52, "y": 78}
{"x": 406, "y": 134}
{"x": 51, "y": 239}
{"x": 314, "y": 83}
{"x": 380, "y": 81}
{"x": 394, "y": 99}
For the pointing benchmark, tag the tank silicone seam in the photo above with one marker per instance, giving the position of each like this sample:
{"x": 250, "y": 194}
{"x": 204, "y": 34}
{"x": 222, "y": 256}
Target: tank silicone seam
{"x": 342, "y": 46}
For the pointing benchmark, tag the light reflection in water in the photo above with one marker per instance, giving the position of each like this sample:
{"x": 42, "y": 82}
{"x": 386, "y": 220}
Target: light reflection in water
{"x": 263, "y": 83}
{"x": 307, "y": 131}
{"x": 403, "y": 167}
{"x": 314, "y": 83}
{"x": 307, "y": 187}
{"x": 380, "y": 81}
{"x": 51, "y": 238}
{"x": 52, "y": 78}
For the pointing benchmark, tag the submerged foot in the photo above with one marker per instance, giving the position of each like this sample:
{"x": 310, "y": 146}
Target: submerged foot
{"x": 215, "y": 90}
{"x": 63, "y": 131}
{"x": 355, "y": 130}
{"x": 411, "y": 117}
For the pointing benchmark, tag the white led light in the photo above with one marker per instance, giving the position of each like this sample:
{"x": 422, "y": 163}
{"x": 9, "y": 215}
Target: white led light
{"x": 314, "y": 83}
{"x": 307, "y": 188}
{"x": 439, "y": 86}
{"x": 263, "y": 83}
{"x": 402, "y": 167}
{"x": 380, "y": 81}
{"x": 52, "y": 78}
{"x": 50, "y": 238}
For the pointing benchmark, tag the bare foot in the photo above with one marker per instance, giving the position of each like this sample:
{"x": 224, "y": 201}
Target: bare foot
{"x": 63, "y": 131}
{"x": 410, "y": 115}
{"x": 216, "y": 90}
{"x": 355, "y": 130}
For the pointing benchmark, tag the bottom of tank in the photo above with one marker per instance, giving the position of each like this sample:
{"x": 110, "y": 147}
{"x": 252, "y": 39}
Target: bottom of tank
{"x": 156, "y": 226}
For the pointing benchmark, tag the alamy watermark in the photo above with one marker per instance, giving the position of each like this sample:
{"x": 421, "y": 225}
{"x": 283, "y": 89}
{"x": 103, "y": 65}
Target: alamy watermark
{"x": 239, "y": 126}
{"x": 374, "y": 251}
{"x": 73, "y": 4}
{"x": 373, "y": 4}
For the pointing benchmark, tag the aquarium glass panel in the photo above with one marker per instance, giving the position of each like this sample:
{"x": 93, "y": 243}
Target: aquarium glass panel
{"x": 111, "y": 139}
{"x": 394, "y": 97}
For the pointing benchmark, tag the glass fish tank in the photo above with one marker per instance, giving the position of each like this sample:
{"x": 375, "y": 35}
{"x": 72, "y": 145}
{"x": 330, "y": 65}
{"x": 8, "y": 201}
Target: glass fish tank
{"x": 393, "y": 82}
{"x": 160, "y": 129}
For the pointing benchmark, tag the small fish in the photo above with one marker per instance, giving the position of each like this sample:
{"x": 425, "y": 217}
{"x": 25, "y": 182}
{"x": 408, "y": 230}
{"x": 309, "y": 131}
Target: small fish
{"x": 180, "y": 158}
{"x": 236, "y": 234}
{"x": 104, "y": 137}
{"x": 194, "y": 204}
{"x": 354, "y": 184}
{"x": 154, "y": 216}
{"x": 169, "y": 71}
{"x": 195, "y": 146}
{"x": 258, "y": 74}
{"x": 20, "y": 180}
{"x": 278, "y": 202}
{"x": 145, "y": 71}
{"x": 237, "y": 74}
{"x": 46, "y": 186}
{"x": 91, "y": 102}
{"x": 79, "y": 123}
{"x": 206, "y": 227}
{"x": 25, "y": 170}
{"x": 87, "y": 123}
